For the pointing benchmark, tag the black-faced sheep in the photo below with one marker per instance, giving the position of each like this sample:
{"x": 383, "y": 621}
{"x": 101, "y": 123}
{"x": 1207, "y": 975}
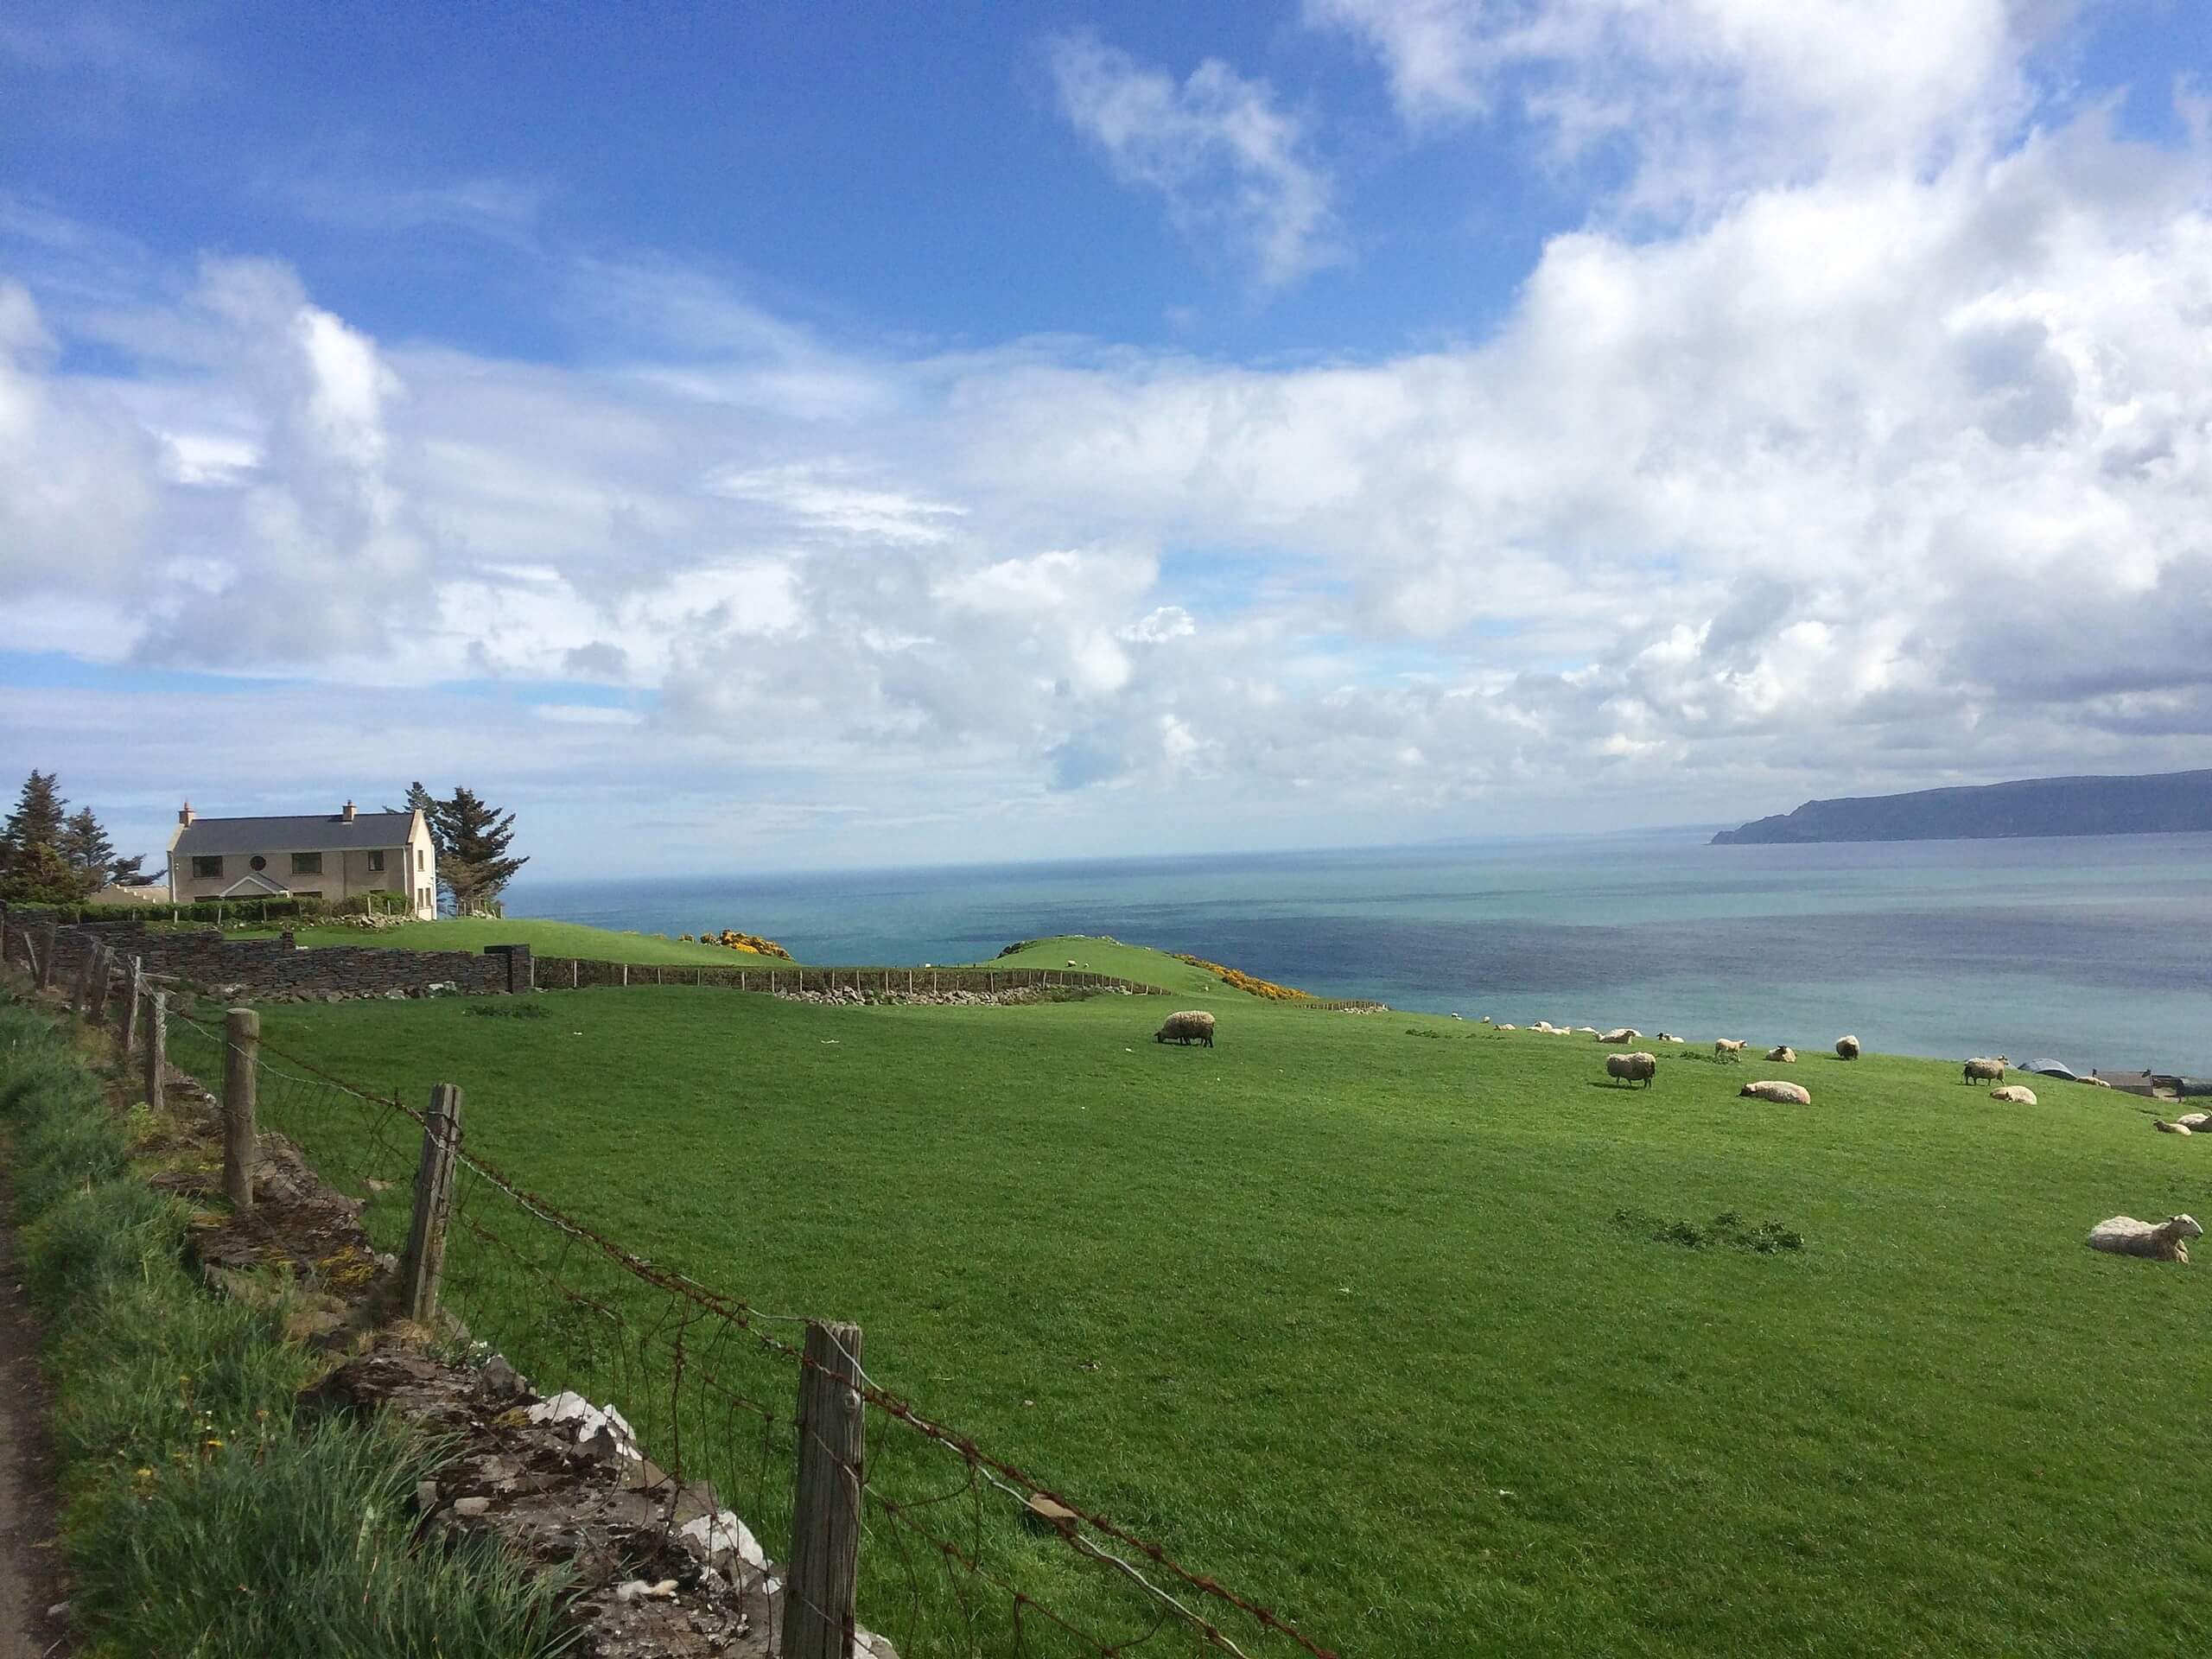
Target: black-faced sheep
{"x": 2164, "y": 1127}
{"x": 2124, "y": 1235}
{"x": 1192, "y": 1025}
{"x": 1632, "y": 1068}
{"x": 1846, "y": 1048}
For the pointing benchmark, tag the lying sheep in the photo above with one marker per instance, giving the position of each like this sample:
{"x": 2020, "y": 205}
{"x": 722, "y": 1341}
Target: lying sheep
{"x": 1632, "y": 1068}
{"x": 2196, "y": 1122}
{"x": 1983, "y": 1071}
{"x": 1192, "y": 1025}
{"x": 2014, "y": 1093}
{"x": 1666, "y": 1037}
{"x": 1846, "y": 1048}
{"x": 1727, "y": 1047}
{"x": 1786, "y": 1094}
{"x": 2094, "y": 1083}
{"x": 2124, "y": 1235}
{"x": 1619, "y": 1034}
{"x": 2164, "y": 1127}
{"x": 1785, "y": 1054}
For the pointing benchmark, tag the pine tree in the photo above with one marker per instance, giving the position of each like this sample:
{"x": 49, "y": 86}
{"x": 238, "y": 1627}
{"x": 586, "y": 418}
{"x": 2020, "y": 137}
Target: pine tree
{"x": 37, "y": 875}
{"x": 473, "y": 838}
{"x": 37, "y": 820}
{"x": 84, "y": 846}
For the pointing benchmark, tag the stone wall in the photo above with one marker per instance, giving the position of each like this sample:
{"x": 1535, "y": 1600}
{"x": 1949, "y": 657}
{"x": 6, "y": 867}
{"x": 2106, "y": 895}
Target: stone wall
{"x": 264, "y": 968}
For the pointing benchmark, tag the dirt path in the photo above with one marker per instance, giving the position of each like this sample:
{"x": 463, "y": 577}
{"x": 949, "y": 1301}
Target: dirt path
{"x": 29, "y": 1581}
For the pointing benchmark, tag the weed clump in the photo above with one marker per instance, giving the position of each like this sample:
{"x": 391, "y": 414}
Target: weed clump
{"x": 1728, "y": 1228}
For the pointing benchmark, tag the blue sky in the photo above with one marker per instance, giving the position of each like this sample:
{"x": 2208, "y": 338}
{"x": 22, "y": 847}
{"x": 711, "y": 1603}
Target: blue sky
{"x": 780, "y": 435}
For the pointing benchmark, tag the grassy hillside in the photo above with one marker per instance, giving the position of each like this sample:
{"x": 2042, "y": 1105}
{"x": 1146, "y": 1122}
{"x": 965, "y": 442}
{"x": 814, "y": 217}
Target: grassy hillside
{"x": 548, "y": 939}
{"x": 1338, "y": 1310}
{"x": 1132, "y": 961}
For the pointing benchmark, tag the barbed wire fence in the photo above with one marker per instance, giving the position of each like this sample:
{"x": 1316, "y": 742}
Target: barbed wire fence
{"x": 961, "y": 1552}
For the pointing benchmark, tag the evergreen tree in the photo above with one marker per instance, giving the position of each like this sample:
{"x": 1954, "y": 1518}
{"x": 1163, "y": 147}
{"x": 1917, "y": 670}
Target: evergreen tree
{"x": 84, "y": 846}
{"x": 37, "y": 875}
{"x": 37, "y": 820}
{"x": 473, "y": 838}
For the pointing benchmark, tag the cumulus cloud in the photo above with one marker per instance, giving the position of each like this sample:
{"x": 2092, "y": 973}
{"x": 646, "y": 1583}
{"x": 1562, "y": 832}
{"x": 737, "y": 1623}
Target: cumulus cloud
{"x": 1881, "y": 478}
{"x": 1230, "y": 163}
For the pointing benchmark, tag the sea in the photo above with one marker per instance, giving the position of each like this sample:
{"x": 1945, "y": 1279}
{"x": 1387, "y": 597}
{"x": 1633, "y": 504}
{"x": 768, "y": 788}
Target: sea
{"x": 2094, "y": 950}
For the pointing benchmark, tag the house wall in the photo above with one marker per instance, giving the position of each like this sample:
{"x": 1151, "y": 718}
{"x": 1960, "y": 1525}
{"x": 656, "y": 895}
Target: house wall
{"x": 344, "y": 874}
{"x": 421, "y": 876}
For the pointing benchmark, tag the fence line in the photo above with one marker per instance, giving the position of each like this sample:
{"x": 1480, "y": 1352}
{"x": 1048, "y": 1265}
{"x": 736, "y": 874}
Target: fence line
{"x": 674, "y": 1351}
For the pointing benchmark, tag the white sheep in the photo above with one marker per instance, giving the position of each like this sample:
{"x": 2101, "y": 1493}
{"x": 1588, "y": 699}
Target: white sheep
{"x": 1632, "y": 1068}
{"x": 1666, "y": 1037}
{"x": 1619, "y": 1034}
{"x": 1783, "y": 1054}
{"x": 1984, "y": 1071}
{"x": 1190, "y": 1025}
{"x": 2164, "y": 1127}
{"x": 1728, "y": 1047}
{"x": 2124, "y": 1235}
{"x": 1786, "y": 1094}
{"x": 1846, "y": 1048}
{"x": 2015, "y": 1093}
{"x": 2196, "y": 1122}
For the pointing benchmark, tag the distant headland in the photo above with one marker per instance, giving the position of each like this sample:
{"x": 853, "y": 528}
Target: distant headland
{"x": 2161, "y": 802}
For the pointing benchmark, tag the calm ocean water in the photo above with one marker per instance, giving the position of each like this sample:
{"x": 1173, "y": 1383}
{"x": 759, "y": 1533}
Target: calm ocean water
{"x": 2096, "y": 950}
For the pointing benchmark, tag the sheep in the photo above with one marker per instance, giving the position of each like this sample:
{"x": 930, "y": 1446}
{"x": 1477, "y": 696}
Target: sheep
{"x": 1666, "y": 1037}
{"x": 2196, "y": 1122}
{"x": 2094, "y": 1083}
{"x": 1192, "y": 1025}
{"x": 1846, "y": 1048}
{"x": 1632, "y": 1068}
{"x": 1786, "y": 1094}
{"x": 1728, "y": 1047}
{"x": 2015, "y": 1094}
{"x": 1984, "y": 1071}
{"x": 2164, "y": 1127}
{"x": 1509, "y": 1027}
{"x": 1071, "y": 962}
{"x": 2124, "y": 1235}
{"x": 1619, "y": 1034}
{"x": 1783, "y": 1054}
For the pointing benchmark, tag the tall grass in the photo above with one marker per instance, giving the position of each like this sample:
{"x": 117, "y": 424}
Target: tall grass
{"x": 207, "y": 1518}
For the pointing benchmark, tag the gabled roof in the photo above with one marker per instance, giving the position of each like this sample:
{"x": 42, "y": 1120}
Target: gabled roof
{"x": 255, "y": 885}
{"x": 330, "y": 833}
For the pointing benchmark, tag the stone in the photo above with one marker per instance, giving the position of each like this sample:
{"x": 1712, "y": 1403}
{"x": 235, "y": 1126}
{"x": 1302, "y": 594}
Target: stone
{"x": 469, "y": 1508}
{"x": 502, "y": 1381}
{"x": 426, "y": 1495}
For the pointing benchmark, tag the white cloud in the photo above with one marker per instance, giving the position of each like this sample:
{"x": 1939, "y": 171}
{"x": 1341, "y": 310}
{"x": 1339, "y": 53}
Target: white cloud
{"x": 1229, "y": 162}
{"x": 1856, "y": 482}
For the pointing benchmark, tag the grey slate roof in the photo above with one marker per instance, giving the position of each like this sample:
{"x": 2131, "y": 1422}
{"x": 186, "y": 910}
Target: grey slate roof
{"x": 328, "y": 833}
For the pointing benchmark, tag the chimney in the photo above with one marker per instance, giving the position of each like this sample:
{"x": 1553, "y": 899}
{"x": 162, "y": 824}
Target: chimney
{"x": 348, "y": 814}
{"x": 185, "y": 816}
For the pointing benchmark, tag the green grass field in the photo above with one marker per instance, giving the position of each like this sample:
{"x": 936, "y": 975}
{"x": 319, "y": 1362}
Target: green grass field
{"x": 473, "y": 933}
{"x": 1337, "y": 1310}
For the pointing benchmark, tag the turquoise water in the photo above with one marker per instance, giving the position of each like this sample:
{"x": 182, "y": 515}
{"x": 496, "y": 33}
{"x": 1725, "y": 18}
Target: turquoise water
{"x": 2096, "y": 950}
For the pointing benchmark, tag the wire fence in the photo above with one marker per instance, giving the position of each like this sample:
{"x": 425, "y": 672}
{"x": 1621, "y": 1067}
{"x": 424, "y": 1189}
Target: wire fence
{"x": 962, "y": 1552}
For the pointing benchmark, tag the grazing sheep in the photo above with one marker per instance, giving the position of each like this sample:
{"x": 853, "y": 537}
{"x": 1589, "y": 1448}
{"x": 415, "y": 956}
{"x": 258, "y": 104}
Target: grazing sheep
{"x": 1786, "y": 1094}
{"x": 2124, "y": 1235}
{"x": 1984, "y": 1071}
{"x": 1632, "y": 1068}
{"x": 1785, "y": 1054}
{"x": 1846, "y": 1048}
{"x": 1729, "y": 1047}
{"x": 1192, "y": 1025}
{"x": 2164, "y": 1127}
{"x": 1619, "y": 1034}
{"x": 2014, "y": 1093}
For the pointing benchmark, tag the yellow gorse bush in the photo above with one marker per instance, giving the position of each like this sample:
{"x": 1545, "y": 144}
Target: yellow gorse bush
{"x": 730, "y": 938}
{"x": 1246, "y": 984}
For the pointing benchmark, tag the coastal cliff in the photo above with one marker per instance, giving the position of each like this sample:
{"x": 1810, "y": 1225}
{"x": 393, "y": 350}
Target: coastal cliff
{"x": 2157, "y": 804}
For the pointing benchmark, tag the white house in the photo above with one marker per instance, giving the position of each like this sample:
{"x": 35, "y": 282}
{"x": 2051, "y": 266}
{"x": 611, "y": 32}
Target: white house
{"x": 335, "y": 857}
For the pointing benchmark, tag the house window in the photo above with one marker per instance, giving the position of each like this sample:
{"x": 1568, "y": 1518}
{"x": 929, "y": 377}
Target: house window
{"x": 207, "y": 869}
{"x": 418, "y": 858}
{"x": 257, "y": 862}
{"x": 376, "y": 863}
{"x": 307, "y": 863}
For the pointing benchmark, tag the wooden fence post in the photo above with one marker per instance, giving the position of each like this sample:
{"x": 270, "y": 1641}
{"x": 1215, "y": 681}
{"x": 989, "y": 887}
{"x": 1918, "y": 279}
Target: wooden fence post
{"x": 46, "y": 955}
{"x": 242, "y": 1038}
{"x": 103, "y": 983}
{"x": 424, "y": 1263}
{"x": 625, "y": 975}
{"x": 157, "y": 1044}
{"x": 818, "y": 1587}
{"x": 127, "y": 1016}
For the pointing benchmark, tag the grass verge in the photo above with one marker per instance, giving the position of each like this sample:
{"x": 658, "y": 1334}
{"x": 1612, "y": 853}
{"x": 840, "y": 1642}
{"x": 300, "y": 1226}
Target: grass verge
{"x": 204, "y": 1515}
